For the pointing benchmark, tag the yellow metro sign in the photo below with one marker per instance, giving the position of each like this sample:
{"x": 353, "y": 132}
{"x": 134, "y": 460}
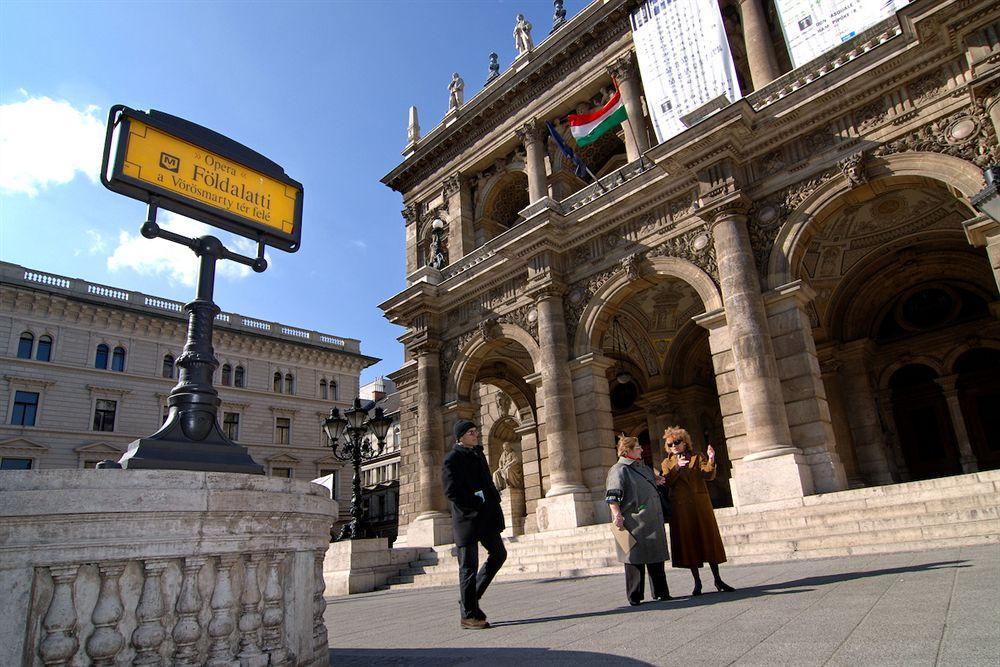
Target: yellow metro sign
{"x": 180, "y": 166}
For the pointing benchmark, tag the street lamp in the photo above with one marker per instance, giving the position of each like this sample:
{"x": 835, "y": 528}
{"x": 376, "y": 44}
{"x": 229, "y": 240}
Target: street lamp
{"x": 349, "y": 444}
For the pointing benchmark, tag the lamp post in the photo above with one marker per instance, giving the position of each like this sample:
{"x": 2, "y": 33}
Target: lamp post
{"x": 349, "y": 444}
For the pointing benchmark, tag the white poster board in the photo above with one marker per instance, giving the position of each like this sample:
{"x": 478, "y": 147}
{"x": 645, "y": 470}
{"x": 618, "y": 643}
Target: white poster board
{"x": 684, "y": 60}
{"x": 813, "y": 27}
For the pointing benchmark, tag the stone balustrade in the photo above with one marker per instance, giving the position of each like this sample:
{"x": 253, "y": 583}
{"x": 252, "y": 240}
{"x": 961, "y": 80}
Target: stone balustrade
{"x": 144, "y": 567}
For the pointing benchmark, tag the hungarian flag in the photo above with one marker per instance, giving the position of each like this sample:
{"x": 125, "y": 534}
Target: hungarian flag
{"x": 586, "y": 128}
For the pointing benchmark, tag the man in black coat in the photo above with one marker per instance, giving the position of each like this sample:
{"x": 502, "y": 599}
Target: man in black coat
{"x": 476, "y": 518}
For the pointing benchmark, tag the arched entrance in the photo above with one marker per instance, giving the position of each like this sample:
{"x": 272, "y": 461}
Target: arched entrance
{"x": 898, "y": 291}
{"x": 659, "y": 368}
{"x": 489, "y": 384}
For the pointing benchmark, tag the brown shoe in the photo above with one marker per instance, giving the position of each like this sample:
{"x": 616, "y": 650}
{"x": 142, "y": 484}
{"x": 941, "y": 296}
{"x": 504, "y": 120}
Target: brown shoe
{"x": 474, "y": 624}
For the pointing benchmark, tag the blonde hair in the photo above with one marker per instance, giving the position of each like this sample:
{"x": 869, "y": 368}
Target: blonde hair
{"x": 626, "y": 444}
{"x": 674, "y": 432}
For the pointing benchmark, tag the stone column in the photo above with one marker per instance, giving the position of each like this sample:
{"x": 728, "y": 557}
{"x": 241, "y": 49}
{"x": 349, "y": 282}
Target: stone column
{"x": 760, "y": 49}
{"x": 861, "y": 410}
{"x": 636, "y": 137}
{"x": 773, "y": 468}
{"x": 567, "y": 502}
{"x": 531, "y": 135}
{"x": 966, "y": 456}
{"x": 432, "y": 525}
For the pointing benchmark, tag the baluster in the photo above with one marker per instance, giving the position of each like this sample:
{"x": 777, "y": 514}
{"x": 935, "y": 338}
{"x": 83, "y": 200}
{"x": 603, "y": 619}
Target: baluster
{"x": 149, "y": 634}
{"x": 250, "y": 654}
{"x": 59, "y": 644}
{"x": 274, "y": 611}
{"x": 106, "y": 641}
{"x": 220, "y": 628}
{"x": 320, "y": 639}
{"x": 187, "y": 630}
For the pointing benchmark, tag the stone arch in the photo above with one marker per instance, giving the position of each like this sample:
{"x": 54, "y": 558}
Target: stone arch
{"x": 960, "y": 177}
{"x": 476, "y": 351}
{"x": 953, "y": 356}
{"x": 503, "y": 196}
{"x": 885, "y": 375}
{"x": 607, "y": 298}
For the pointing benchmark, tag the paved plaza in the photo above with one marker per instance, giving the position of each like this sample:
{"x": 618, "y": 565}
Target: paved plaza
{"x": 931, "y": 607}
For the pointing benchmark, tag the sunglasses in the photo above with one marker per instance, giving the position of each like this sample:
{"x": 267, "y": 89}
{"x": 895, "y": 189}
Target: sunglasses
{"x": 673, "y": 443}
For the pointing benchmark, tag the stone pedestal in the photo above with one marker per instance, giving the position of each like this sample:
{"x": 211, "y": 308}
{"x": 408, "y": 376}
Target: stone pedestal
{"x": 361, "y": 566}
{"x": 568, "y": 510}
{"x": 775, "y": 478}
{"x": 513, "y": 506}
{"x": 429, "y": 530}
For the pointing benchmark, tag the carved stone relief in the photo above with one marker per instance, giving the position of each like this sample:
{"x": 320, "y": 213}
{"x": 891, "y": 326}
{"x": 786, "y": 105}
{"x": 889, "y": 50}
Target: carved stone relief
{"x": 695, "y": 246}
{"x": 966, "y": 134}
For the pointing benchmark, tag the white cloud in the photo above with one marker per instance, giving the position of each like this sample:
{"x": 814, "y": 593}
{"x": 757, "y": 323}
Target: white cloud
{"x": 97, "y": 243}
{"x": 357, "y": 243}
{"x": 175, "y": 262}
{"x": 46, "y": 142}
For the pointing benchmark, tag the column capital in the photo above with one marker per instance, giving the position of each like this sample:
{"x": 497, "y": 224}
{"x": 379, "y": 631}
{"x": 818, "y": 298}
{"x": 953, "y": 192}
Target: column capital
{"x": 735, "y": 204}
{"x": 593, "y": 361}
{"x": 982, "y": 230}
{"x": 949, "y": 384}
{"x": 542, "y": 288}
{"x": 530, "y": 132}
{"x": 798, "y": 290}
{"x": 623, "y": 67}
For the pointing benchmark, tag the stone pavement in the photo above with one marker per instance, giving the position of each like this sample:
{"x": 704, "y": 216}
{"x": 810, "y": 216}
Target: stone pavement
{"x": 931, "y": 607}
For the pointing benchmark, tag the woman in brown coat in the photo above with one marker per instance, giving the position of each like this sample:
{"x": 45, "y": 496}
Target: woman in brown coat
{"x": 694, "y": 534}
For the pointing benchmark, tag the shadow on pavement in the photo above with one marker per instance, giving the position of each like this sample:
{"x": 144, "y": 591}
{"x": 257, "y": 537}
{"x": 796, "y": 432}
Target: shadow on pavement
{"x": 777, "y": 588}
{"x": 514, "y": 657}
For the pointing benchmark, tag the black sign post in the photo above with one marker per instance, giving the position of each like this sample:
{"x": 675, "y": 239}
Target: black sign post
{"x": 171, "y": 163}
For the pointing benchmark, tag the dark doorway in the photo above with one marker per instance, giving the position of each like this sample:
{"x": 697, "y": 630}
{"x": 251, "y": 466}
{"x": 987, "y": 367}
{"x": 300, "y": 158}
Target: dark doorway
{"x": 979, "y": 395}
{"x": 922, "y": 422}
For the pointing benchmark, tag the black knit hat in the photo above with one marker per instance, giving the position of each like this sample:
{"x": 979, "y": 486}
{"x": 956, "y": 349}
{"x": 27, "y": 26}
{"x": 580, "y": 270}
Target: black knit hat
{"x": 461, "y": 426}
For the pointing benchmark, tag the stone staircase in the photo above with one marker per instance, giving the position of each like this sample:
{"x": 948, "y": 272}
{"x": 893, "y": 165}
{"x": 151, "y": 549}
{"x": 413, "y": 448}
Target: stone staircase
{"x": 952, "y": 511}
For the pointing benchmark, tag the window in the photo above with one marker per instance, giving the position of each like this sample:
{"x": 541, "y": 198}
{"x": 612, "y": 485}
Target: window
{"x": 277, "y": 383}
{"x": 118, "y": 359}
{"x": 166, "y": 414}
{"x": 322, "y": 389}
{"x": 227, "y": 375}
{"x": 282, "y": 430}
{"x": 25, "y": 408}
{"x": 104, "y": 415}
{"x": 101, "y": 360}
{"x": 24, "y": 345}
{"x": 281, "y": 472}
{"x": 239, "y": 381}
{"x": 90, "y": 465}
{"x": 15, "y": 464}
{"x": 231, "y": 425}
{"x": 289, "y": 384}
{"x": 168, "y": 366}
{"x": 333, "y": 390}
{"x": 44, "y": 351}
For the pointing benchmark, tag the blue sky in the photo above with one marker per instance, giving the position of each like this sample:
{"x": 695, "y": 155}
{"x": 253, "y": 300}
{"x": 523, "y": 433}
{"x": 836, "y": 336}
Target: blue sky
{"x": 321, "y": 88}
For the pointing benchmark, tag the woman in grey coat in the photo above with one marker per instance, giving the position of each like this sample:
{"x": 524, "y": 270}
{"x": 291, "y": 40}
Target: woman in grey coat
{"x": 635, "y": 506}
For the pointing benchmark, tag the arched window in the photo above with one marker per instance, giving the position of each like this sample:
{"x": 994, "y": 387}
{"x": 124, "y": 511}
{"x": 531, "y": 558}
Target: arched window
{"x": 101, "y": 360}
{"x": 24, "y": 345}
{"x": 277, "y": 382}
{"x": 333, "y": 389}
{"x": 118, "y": 359}
{"x": 289, "y": 384}
{"x": 239, "y": 379}
{"x": 44, "y": 351}
{"x": 168, "y": 366}
{"x": 322, "y": 389}
{"x": 227, "y": 375}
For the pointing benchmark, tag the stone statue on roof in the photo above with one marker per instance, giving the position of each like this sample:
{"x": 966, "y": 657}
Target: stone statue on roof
{"x": 456, "y": 92}
{"x": 522, "y": 36}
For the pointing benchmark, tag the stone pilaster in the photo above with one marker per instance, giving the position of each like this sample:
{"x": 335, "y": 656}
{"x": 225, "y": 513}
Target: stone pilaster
{"x": 530, "y": 135}
{"x": 760, "y": 50}
{"x": 967, "y": 457}
{"x": 838, "y": 420}
{"x": 627, "y": 75}
{"x": 595, "y": 429}
{"x": 772, "y": 468}
{"x": 861, "y": 409}
{"x": 985, "y": 231}
{"x": 806, "y": 407}
{"x": 432, "y": 524}
{"x": 457, "y": 196}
